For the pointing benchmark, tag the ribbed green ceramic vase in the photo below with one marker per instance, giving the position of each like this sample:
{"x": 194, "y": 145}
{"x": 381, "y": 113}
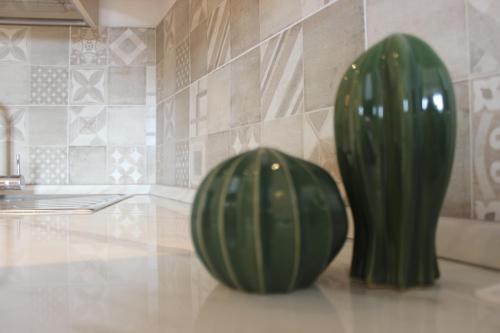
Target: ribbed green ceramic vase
{"x": 266, "y": 222}
{"x": 395, "y": 133}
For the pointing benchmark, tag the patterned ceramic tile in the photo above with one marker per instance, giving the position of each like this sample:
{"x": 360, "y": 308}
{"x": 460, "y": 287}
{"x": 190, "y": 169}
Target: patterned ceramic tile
{"x": 165, "y": 75}
{"x": 282, "y": 75}
{"x": 198, "y": 12}
{"x": 13, "y": 124}
{"x": 244, "y": 139}
{"x": 197, "y": 161}
{"x": 14, "y": 44}
{"x": 484, "y": 25}
{"x": 48, "y": 165}
{"x": 310, "y": 6}
{"x": 49, "y": 85}
{"x": 198, "y": 116}
{"x": 150, "y": 125}
{"x": 219, "y": 51}
{"x": 15, "y": 90}
{"x": 127, "y": 85}
{"x": 160, "y": 40}
{"x": 87, "y": 165}
{"x": 180, "y": 24}
{"x": 182, "y": 164}
{"x": 245, "y": 89}
{"x": 277, "y": 14}
{"x": 284, "y": 134}
{"x": 127, "y": 126}
{"x": 165, "y": 167}
{"x": 151, "y": 85}
{"x": 127, "y": 165}
{"x": 244, "y": 22}
{"x": 131, "y": 46}
{"x": 486, "y": 138}
{"x": 217, "y": 148}
{"x": 219, "y": 100}
{"x": 88, "y": 46}
{"x": 169, "y": 119}
{"x": 48, "y": 126}
{"x": 88, "y": 126}
{"x": 49, "y": 46}
{"x": 182, "y": 67}
{"x": 198, "y": 51}
{"x": 151, "y": 165}
{"x": 88, "y": 86}
{"x": 182, "y": 114}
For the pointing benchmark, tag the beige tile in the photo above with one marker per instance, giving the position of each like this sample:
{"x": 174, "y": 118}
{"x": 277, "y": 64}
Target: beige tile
{"x": 87, "y": 165}
{"x": 182, "y": 115}
{"x": 88, "y": 85}
{"x": 198, "y": 12}
{"x": 48, "y": 126}
{"x": 439, "y": 23}
{"x": 131, "y": 46}
{"x": 48, "y": 165}
{"x": 458, "y": 199}
{"x": 89, "y": 46}
{"x": 180, "y": 12}
{"x": 182, "y": 65}
{"x": 218, "y": 36}
{"x": 166, "y": 163}
{"x": 198, "y": 108}
{"x": 245, "y": 25}
{"x": 15, "y": 90}
{"x": 310, "y": 6}
{"x": 126, "y": 126}
{"x": 277, "y": 14}
{"x": 333, "y": 38}
{"x": 49, "y": 85}
{"x": 15, "y": 44}
{"x": 182, "y": 163}
{"x": 198, "y": 51}
{"x": 484, "y": 36}
{"x": 219, "y": 100}
{"x": 127, "y": 85}
{"x": 244, "y": 139}
{"x": 245, "y": 89}
{"x": 165, "y": 75}
{"x": 160, "y": 41}
{"x": 127, "y": 165}
{"x": 285, "y": 134}
{"x": 88, "y": 125}
{"x": 50, "y": 46}
{"x": 217, "y": 146}
{"x": 197, "y": 160}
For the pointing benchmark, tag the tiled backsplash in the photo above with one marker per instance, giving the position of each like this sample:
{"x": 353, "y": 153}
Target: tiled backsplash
{"x": 79, "y": 104}
{"x": 236, "y": 74}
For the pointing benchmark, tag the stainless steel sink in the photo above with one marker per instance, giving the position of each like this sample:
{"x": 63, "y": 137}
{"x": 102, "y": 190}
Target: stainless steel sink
{"x": 57, "y": 204}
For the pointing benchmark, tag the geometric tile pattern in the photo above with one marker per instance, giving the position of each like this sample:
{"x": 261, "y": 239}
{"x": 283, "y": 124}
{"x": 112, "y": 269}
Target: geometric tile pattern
{"x": 198, "y": 12}
{"x": 88, "y": 126}
{"x": 244, "y": 139}
{"x": 13, "y": 124}
{"x": 14, "y": 44}
{"x": 87, "y": 86}
{"x": 197, "y": 164}
{"x": 182, "y": 164}
{"x": 49, "y": 85}
{"x": 88, "y": 46}
{"x": 218, "y": 36}
{"x": 127, "y": 165}
{"x": 128, "y": 46}
{"x": 48, "y": 165}
{"x": 198, "y": 120}
{"x": 182, "y": 67}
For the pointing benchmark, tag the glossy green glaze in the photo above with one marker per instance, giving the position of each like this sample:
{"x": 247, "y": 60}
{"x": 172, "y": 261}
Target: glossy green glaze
{"x": 395, "y": 133}
{"x": 267, "y": 222}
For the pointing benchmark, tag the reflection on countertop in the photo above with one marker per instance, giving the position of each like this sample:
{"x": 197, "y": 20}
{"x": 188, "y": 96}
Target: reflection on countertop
{"x": 130, "y": 268}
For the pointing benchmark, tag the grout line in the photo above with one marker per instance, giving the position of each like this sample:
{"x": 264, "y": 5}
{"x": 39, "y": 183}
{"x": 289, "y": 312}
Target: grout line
{"x": 470, "y": 100}
{"x": 365, "y": 22}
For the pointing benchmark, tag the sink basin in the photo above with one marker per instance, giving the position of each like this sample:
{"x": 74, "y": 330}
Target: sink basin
{"x": 57, "y": 203}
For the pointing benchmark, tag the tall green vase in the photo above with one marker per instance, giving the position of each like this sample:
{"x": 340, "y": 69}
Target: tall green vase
{"x": 395, "y": 128}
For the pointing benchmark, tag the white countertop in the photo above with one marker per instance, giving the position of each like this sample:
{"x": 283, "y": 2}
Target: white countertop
{"x": 130, "y": 268}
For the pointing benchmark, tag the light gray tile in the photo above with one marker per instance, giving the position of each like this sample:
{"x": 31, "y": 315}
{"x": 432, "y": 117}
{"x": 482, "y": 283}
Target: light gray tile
{"x": 282, "y": 75}
{"x": 151, "y": 165}
{"x": 244, "y": 139}
{"x": 127, "y": 85}
{"x": 48, "y": 165}
{"x": 181, "y": 117}
{"x": 131, "y": 46}
{"x": 310, "y": 6}
{"x": 245, "y": 89}
{"x": 50, "y": 46}
{"x": 219, "y": 100}
{"x": 217, "y": 149}
{"x": 284, "y": 134}
{"x": 127, "y": 165}
{"x": 197, "y": 160}
{"x": 198, "y": 107}
{"x": 160, "y": 41}
{"x": 88, "y": 46}
{"x": 126, "y": 126}
{"x": 484, "y": 36}
{"x": 88, "y": 86}
{"x": 245, "y": 25}
{"x": 87, "y": 165}
{"x": 15, "y": 90}
{"x": 439, "y": 23}
{"x": 88, "y": 126}
{"x": 14, "y": 44}
{"x": 165, "y": 75}
{"x": 333, "y": 38}
{"x": 182, "y": 65}
{"x": 218, "y": 36}
{"x": 165, "y": 167}
{"x": 277, "y": 14}
{"x": 49, "y": 85}
{"x": 13, "y": 124}
{"x": 198, "y": 51}
{"x": 180, "y": 26}
{"x": 48, "y": 126}
{"x": 182, "y": 163}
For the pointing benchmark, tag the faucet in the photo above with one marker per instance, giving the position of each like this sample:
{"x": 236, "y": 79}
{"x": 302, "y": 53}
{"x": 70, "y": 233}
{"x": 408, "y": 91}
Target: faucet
{"x": 15, "y": 182}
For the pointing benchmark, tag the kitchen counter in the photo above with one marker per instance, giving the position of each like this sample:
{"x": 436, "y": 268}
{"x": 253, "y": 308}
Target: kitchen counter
{"x": 131, "y": 268}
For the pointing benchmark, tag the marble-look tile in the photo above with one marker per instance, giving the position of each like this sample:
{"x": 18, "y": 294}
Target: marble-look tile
{"x": 182, "y": 163}
{"x": 219, "y": 100}
{"x": 245, "y": 25}
{"x": 182, "y": 65}
{"x": 486, "y": 144}
{"x": 458, "y": 199}
{"x": 131, "y": 46}
{"x": 333, "y": 38}
{"x": 182, "y": 115}
{"x": 88, "y": 46}
{"x": 88, "y": 126}
{"x": 49, "y": 85}
{"x": 48, "y": 126}
{"x": 217, "y": 149}
{"x": 245, "y": 89}
{"x": 310, "y": 6}
{"x": 15, "y": 90}
{"x": 127, "y": 85}
{"x": 198, "y": 12}
{"x": 87, "y": 165}
{"x": 127, "y": 165}
{"x": 88, "y": 86}
{"x": 198, "y": 51}
{"x": 319, "y": 144}
{"x": 244, "y": 139}
{"x": 13, "y": 124}
{"x": 49, "y": 46}
{"x": 14, "y": 44}
{"x": 48, "y": 165}
{"x": 126, "y": 126}
{"x": 277, "y": 14}
{"x": 198, "y": 106}
{"x": 219, "y": 51}
{"x": 197, "y": 160}
{"x": 285, "y": 134}
{"x": 484, "y": 25}
{"x": 282, "y": 75}
{"x": 423, "y": 18}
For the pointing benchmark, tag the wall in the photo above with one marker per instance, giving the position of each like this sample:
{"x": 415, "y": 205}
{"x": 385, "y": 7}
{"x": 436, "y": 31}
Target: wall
{"x": 236, "y": 74}
{"x": 79, "y": 104}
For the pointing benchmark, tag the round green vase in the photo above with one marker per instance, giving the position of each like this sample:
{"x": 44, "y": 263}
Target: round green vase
{"x": 395, "y": 128}
{"x": 266, "y": 222}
